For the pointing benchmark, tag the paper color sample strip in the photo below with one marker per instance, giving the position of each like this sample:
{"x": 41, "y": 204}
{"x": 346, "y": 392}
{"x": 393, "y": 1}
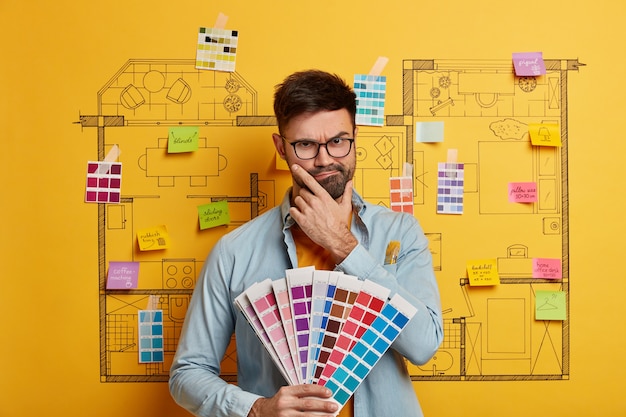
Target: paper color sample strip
{"x": 243, "y": 302}
{"x": 367, "y": 305}
{"x": 104, "y": 182}
{"x": 216, "y": 49}
{"x": 401, "y": 194}
{"x": 262, "y": 298}
{"x": 348, "y": 288}
{"x": 450, "y": 178}
{"x": 376, "y": 340}
{"x": 300, "y": 282}
{"x": 370, "y": 99}
{"x": 283, "y": 302}
{"x": 150, "y": 331}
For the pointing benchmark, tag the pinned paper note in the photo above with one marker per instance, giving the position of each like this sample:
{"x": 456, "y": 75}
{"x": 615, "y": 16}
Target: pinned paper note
{"x": 428, "y": 132}
{"x": 483, "y": 272}
{"x": 217, "y": 47}
{"x": 547, "y": 268}
{"x": 122, "y": 275}
{"x": 550, "y": 305}
{"x": 528, "y": 64}
{"x": 183, "y": 139}
{"x": 154, "y": 238}
{"x": 522, "y": 192}
{"x": 544, "y": 134}
{"x": 213, "y": 214}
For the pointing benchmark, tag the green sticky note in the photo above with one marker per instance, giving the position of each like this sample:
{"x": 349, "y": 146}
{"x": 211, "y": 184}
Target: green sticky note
{"x": 183, "y": 139}
{"x": 213, "y": 214}
{"x": 550, "y": 305}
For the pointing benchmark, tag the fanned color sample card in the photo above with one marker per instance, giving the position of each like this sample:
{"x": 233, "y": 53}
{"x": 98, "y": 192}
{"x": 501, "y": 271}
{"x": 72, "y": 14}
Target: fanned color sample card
{"x": 104, "y": 182}
{"x": 150, "y": 336}
{"x": 217, "y": 49}
{"x": 324, "y": 327}
{"x": 370, "y": 99}
{"x": 450, "y": 177}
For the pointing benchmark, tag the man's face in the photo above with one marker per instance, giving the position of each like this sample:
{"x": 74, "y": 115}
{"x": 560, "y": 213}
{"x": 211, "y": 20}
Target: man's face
{"x": 331, "y": 172}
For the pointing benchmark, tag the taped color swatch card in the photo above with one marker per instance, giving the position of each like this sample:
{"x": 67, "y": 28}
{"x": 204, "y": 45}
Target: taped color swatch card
{"x": 104, "y": 182}
{"x": 376, "y": 340}
{"x": 216, "y": 49}
{"x": 284, "y": 308}
{"x": 370, "y": 99}
{"x": 401, "y": 194}
{"x": 150, "y": 336}
{"x": 450, "y": 178}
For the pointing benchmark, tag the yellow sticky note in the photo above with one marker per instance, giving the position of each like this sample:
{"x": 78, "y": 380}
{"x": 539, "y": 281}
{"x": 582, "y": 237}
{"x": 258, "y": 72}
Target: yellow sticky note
{"x": 153, "y": 238}
{"x": 483, "y": 272}
{"x": 213, "y": 214}
{"x": 550, "y": 305}
{"x": 544, "y": 134}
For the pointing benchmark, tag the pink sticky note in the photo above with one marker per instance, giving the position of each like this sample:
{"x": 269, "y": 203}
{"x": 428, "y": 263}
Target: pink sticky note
{"x": 122, "y": 275}
{"x": 528, "y": 64}
{"x": 547, "y": 268}
{"x": 522, "y": 192}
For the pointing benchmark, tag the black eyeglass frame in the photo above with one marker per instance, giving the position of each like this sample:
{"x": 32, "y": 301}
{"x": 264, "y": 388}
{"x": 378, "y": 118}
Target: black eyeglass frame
{"x": 319, "y": 145}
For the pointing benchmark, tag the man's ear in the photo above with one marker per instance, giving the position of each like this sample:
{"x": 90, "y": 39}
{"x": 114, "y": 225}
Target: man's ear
{"x": 279, "y": 144}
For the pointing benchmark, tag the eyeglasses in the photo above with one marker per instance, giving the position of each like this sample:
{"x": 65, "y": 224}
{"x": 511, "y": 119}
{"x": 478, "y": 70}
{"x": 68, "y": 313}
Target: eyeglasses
{"x": 309, "y": 149}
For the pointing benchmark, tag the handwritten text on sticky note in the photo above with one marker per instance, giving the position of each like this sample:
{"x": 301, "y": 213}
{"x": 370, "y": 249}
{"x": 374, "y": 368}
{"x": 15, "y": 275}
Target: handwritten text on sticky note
{"x": 182, "y": 139}
{"x": 547, "y": 268}
{"x": 528, "y": 64}
{"x": 483, "y": 272}
{"x": 213, "y": 214}
{"x": 154, "y": 238}
{"x": 122, "y": 275}
{"x": 522, "y": 192}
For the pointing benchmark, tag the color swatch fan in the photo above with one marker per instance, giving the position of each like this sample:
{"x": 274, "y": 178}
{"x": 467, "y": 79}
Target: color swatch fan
{"x": 324, "y": 327}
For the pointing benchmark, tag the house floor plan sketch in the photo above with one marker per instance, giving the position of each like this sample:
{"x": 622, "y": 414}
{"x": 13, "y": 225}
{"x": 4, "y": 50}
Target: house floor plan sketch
{"x": 490, "y": 332}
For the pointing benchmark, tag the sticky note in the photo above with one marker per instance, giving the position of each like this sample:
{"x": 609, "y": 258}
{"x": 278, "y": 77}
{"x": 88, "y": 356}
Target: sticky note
{"x": 154, "y": 238}
{"x": 122, "y": 275}
{"x": 429, "y": 132}
{"x": 547, "y": 268}
{"x": 213, "y": 214}
{"x": 544, "y": 134}
{"x": 550, "y": 305}
{"x": 483, "y": 272}
{"x": 522, "y": 192}
{"x": 528, "y": 64}
{"x": 183, "y": 139}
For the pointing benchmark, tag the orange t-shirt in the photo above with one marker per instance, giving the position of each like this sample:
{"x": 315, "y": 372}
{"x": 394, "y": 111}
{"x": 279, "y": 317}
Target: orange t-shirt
{"x": 311, "y": 254}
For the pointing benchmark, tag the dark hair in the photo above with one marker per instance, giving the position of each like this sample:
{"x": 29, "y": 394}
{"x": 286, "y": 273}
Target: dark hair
{"x": 309, "y": 92}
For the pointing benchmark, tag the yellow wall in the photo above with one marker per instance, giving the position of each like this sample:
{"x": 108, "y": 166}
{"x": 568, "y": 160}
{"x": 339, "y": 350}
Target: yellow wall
{"x": 57, "y": 55}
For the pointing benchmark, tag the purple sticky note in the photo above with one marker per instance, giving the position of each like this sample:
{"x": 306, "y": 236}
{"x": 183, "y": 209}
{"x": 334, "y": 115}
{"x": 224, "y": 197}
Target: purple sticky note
{"x": 122, "y": 275}
{"x": 528, "y": 64}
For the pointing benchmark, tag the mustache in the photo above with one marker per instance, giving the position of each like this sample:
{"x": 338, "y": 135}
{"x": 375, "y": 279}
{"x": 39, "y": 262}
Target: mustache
{"x": 334, "y": 167}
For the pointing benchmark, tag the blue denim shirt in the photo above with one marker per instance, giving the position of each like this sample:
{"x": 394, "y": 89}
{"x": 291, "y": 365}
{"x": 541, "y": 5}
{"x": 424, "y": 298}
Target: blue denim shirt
{"x": 264, "y": 248}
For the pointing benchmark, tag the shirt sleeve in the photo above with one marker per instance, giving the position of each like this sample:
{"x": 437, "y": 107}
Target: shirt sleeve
{"x": 194, "y": 382}
{"x": 412, "y": 277}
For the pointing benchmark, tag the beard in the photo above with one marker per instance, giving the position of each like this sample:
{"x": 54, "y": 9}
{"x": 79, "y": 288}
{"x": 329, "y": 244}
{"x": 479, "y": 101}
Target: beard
{"x": 334, "y": 185}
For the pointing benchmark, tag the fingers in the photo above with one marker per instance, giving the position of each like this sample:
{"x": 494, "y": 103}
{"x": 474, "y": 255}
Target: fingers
{"x": 300, "y": 174}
